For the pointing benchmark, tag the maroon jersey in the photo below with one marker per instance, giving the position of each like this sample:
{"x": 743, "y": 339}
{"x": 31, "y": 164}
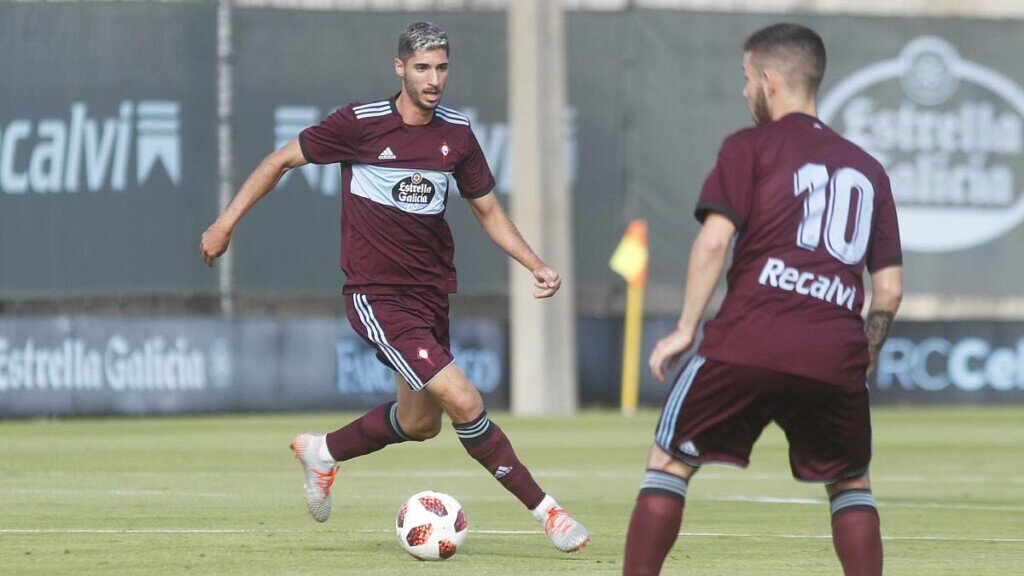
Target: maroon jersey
{"x": 395, "y": 182}
{"x": 812, "y": 210}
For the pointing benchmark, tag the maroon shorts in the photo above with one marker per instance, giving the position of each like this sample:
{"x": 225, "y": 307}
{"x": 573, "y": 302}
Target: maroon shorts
{"x": 409, "y": 332}
{"x": 717, "y": 411}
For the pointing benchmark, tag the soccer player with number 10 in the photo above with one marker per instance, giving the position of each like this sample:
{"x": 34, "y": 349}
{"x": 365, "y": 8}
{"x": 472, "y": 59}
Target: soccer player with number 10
{"x": 809, "y": 211}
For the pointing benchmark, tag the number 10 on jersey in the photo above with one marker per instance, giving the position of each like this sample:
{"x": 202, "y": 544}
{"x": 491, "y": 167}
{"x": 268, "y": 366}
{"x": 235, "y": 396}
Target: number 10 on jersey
{"x": 830, "y": 198}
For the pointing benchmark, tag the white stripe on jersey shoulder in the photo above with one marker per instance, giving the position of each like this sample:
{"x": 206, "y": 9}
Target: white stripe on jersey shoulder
{"x": 365, "y": 115}
{"x": 363, "y": 107}
{"x": 450, "y": 116}
{"x": 382, "y": 108}
{"x": 453, "y": 112}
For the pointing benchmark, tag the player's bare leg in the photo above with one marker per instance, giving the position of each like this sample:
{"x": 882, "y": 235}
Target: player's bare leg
{"x": 414, "y": 417}
{"x": 418, "y": 414}
{"x": 489, "y": 446}
{"x": 657, "y": 515}
{"x": 856, "y": 533}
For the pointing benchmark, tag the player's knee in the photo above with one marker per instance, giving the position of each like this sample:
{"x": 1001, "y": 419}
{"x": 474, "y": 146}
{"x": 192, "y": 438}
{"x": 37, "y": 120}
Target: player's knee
{"x": 426, "y": 432}
{"x": 464, "y": 407}
{"x": 661, "y": 460}
{"x": 857, "y": 483}
{"x": 419, "y": 426}
{"x": 423, "y": 428}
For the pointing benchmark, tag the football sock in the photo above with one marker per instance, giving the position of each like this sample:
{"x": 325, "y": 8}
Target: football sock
{"x": 489, "y": 446}
{"x": 540, "y": 513}
{"x": 856, "y": 534}
{"x": 324, "y": 453}
{"x": 369, "y": 433}
{"x": 654, "y": 527}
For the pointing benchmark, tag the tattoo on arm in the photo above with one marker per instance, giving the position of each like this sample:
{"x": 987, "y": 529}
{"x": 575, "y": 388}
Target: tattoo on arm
{"x": 877, "y": 328}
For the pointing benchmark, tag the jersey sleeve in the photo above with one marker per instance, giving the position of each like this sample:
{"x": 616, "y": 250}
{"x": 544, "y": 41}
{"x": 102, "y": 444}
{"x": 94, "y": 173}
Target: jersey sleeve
{"x": 885, "y": 248}
{"x": 473, "y": 175}
{"x": 729, "y": 189}
{"x": 335, "y": 139}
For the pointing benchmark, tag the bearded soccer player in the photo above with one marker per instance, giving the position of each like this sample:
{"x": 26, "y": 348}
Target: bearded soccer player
{"x": 401, "y": 159}
{"x": 809, "y": 211}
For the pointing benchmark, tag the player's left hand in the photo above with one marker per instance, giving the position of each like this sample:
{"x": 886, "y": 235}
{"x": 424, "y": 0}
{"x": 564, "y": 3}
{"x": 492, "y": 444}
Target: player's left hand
{"x": 547, "y": 280}
{"x": 668, "y": 351}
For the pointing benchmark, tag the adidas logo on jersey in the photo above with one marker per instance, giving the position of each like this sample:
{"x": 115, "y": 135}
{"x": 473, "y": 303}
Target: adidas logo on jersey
{"x": 502, "y": 471}
{"x": 387, "y": 154}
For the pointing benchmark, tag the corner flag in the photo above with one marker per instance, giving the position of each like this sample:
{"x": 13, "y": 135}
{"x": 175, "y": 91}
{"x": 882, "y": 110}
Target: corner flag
{"x": 630, "y": 258}
{"x": 630, "y": 261}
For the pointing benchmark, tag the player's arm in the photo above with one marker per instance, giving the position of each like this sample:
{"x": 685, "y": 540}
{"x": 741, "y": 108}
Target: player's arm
{"x": 887, "y": 292}
{"x": 214, "y": 241}
{"x": 503, "y": 232}
{"x": 707, "y": 260}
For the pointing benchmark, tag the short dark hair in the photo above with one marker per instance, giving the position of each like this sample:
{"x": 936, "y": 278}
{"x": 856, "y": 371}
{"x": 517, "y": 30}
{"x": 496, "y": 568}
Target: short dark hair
{"x": 421, "y": 36}
{"x": 797, "y": 49}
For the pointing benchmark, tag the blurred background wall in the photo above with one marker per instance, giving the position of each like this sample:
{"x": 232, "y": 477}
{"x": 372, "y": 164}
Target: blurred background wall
{"x": 124, "y": 126}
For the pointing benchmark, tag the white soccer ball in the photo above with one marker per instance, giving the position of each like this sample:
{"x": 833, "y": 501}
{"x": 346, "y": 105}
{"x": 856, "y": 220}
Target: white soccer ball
{"x": 431, "y": 525}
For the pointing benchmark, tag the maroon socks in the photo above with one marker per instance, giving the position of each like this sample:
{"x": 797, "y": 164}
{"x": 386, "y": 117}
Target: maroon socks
{"x": 654, "y": 527}
{"x": 489, "y": 446}
{"x": 369, "y": 433}
{"x": 484, "y": 441}
{"x": 856, "y": 534}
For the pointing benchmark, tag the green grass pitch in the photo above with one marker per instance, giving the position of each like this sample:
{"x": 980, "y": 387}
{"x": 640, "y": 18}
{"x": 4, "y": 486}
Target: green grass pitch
{"x": 222, "y": 495}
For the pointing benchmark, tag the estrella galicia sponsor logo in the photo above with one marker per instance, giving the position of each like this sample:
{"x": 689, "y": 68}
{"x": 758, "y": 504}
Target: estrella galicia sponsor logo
{"x": 414, "y": 189}
{"x": 86, "y": 152}
{"x": 359, "y": 371}
{"x": 949, "y": 132}
{"x": 119, "y": 364}
{"x": 933, "y": 364}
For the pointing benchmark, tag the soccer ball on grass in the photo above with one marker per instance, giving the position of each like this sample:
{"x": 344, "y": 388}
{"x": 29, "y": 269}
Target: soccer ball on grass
{"x": 431, "y": 526}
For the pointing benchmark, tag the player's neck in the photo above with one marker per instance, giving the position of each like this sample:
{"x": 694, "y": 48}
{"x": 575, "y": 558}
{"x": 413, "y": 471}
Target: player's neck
{"x": 412, "y": 114}
{"x": 797, "y": 107}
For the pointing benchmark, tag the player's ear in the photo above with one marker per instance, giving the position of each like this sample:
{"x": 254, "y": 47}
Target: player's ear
{"x": 770, "y": 79}
{"x": 399, "y": 67}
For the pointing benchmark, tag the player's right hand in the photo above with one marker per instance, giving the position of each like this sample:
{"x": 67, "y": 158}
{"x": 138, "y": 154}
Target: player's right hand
{"x": 214, "y": 242}
{"x": 668, "y": 351}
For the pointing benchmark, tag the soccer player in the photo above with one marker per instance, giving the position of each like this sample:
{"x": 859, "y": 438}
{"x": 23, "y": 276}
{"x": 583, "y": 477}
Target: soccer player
{"x": 401, "y": 159}
{"x": 809, "y": 211}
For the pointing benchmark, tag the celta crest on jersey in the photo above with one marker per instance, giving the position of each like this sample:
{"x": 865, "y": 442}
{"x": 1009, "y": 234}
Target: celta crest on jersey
{"x": 62, "y": 153}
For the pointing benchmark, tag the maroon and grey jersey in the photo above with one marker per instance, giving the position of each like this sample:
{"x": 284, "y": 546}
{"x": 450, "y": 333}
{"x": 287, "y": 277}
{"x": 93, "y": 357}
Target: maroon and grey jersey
{"x": 812, "y": 210}
{"x": 395, "y": 182}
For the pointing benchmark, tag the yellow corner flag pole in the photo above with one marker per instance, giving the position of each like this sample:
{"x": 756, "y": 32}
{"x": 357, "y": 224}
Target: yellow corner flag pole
{"x": 630, "y": 262}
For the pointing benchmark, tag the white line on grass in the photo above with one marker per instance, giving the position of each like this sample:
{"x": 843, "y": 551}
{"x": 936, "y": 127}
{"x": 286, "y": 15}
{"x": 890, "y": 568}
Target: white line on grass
{"x": 737, "y": 476}
{"x": 881, "y": 503}
{"x": 81, "y": 491}
{"x": 829, "y": 537}
{"x": 488, "y": 532}
{"x": 753, "y": 535}
{"x": 740, "y": 476}
{"x": 696, "y": 498}
{"x": 130, "y": 531}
